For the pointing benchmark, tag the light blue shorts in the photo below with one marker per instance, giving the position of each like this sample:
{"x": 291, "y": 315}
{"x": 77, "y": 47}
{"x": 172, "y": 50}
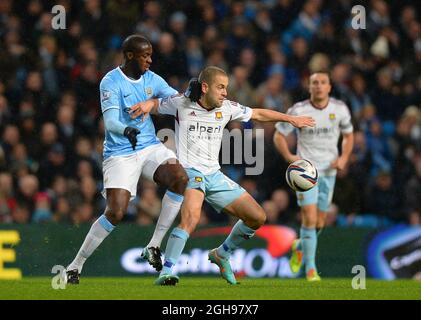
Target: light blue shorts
{"x": 219, "y": 190}
{"x": 321, "y": 194}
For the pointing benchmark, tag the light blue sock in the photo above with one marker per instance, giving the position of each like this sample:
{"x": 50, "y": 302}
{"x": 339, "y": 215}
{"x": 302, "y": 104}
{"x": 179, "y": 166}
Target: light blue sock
{"x": 319, "y": 232}
{"x": 239, "y": 233}
{"x": 309, "y": 244}
{"x": 175, "y": 245}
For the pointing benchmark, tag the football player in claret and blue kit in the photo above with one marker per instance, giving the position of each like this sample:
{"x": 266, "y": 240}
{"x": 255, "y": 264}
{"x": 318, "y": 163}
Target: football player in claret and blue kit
{"x": 319, "y": 145}
{"x": 201, "y": 115}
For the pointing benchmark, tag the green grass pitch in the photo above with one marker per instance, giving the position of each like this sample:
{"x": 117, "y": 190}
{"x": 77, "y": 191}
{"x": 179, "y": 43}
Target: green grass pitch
{"x": 210, "y": 288}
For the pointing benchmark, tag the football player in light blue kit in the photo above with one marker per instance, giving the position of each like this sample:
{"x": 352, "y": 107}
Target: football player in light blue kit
{"x": 132, "y": 149}
{"x": 200, "y": 121}
{"x": 319, "y": 145}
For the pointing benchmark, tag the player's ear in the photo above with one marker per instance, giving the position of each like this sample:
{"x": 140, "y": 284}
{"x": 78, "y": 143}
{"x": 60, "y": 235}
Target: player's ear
{"x": 205, "y": 87}
{"x": 129, "y": 55}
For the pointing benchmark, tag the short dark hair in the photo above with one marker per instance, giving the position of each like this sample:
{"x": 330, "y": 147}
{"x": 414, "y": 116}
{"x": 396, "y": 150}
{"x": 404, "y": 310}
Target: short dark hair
{"x": 208, "y": 74}
{"x": 133, "y": 42}
{"x": 326, "y": 72}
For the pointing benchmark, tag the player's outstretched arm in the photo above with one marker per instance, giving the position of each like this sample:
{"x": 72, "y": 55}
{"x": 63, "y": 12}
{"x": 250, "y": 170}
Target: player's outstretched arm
{"x": 265, "y": 115}
{"x": 143, "y": 108}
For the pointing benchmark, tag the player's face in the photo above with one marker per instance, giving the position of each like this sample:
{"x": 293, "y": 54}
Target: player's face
{"x": 143, "y": 57}
{"x": 216, "y": 92}
{"x": 319, "y": 86}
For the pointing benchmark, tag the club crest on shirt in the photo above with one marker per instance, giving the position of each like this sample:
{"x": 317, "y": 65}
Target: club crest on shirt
{"x": 198, "y": 179}
{"x": 148, "y": 91}
{"x": 218, "y": 115}
{"x": 332, "y": 116}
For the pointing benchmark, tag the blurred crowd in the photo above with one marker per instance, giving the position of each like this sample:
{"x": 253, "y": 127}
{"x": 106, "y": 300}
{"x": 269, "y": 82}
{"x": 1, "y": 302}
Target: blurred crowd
{"x": 51, "y": 127}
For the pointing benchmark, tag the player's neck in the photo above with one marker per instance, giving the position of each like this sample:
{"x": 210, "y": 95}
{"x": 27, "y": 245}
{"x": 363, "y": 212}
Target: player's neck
{"x": 131, "y": 71}
{"x": 204, "y": 104}
{"x": 320, "y": 104}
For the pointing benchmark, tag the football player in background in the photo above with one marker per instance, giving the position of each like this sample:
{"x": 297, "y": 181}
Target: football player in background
{"x": 319, "y": 145}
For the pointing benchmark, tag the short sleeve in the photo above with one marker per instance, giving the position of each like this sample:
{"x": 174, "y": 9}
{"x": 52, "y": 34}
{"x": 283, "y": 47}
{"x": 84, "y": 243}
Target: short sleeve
{"x": 240, "y": 112}
{"x": 108, "y": 95}
{"x": 285, "y": 128}
{"x": 345, "y": 123}
{"x": 163, "y": 88}
{"x": 169, "y": 104}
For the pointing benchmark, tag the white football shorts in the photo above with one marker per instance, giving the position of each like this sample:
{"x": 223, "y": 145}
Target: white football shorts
{"x": 123, "y": 172}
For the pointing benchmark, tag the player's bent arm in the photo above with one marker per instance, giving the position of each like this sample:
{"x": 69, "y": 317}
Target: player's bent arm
{"x": 144, "y": 107}
{"x": 111, "y": 122}
{"x": 265, "y": 115}
{"x": 281, "y": 145}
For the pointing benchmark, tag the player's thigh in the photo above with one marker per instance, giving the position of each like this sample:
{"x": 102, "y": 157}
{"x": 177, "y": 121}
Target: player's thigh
{"x": 246, "y": 208}
{"x": 326, "y": 186}
{"x": 153, "y": 157}
{"x": 221, "y": 190}
{"x": 172, "y": 176}
{"x": 122, "y": 172}
{"x": 309, "y": 197}
{"x": 191, "y": 209}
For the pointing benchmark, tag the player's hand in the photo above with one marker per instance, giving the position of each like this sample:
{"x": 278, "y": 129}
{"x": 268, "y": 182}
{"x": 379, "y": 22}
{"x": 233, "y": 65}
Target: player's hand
{"x": 339, "y": 163}
{"x": 299, "y": 122}
{"x": 292, "y": 158}
{"x": 194, "y": 90}
{"x": 141, "y": 109}
{"x": 131, "y": 134}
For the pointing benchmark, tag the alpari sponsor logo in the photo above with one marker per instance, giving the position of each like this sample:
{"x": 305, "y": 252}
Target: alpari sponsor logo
{"x": 259, "y": 262}
{"x": 317, "y": 131}
{"x": 204, "y": 129}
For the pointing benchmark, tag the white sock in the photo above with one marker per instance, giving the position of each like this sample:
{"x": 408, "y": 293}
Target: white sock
{"x": 100, "y": 229}
{"x": 171, "y": 203}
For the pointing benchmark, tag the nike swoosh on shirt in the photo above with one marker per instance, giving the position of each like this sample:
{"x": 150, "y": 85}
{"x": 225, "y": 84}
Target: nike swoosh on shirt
{"x": 126, "y": 95}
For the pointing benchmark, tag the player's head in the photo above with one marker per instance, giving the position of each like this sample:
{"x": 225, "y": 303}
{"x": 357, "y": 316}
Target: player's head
{"x": 319, "y": 85}
{"x": 137, "y": 51}
{"x": 214, "y": 82}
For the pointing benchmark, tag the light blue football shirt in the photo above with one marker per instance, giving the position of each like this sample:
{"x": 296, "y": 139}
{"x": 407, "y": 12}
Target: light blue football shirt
{"x": 117, "y": 91}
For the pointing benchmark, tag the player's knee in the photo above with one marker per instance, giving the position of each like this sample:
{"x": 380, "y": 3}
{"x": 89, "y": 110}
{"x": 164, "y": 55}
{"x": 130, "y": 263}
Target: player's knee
{"x": 179, "y": 183}
{"x": 115, "y": 215}
{"x": 260, "y": 219}
{"x": 257, "y": 220}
